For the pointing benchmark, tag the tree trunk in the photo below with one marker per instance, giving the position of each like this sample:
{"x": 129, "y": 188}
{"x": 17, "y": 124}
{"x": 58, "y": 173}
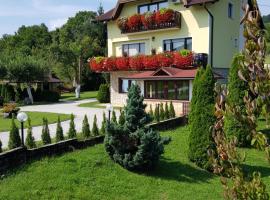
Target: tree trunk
{"x": 30, "y": 94}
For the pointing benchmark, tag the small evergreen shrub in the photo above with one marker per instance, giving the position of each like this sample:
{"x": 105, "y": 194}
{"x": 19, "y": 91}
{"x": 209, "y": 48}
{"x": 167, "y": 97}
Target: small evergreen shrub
{"x": 95, "y": 130}
{"x": 30, "y": 140}
{"x": 167, "y": 113}
{"x": 72, "y": 131}
{"x": 45, "y": 136}
{"x": 86, "y": 133}
{"x": 151, "y": 112}
{"x": 172, "y": 111}
{"x": 122, "y": 117}
{"x": 1, "y": 150}
{"x": 103, "y": 95}
{"x": 14, "y": 136}
{"x": 114, "y": 119}
{"x": 157, "y": 115}
{"x": 103, "y": 125}
{"x": 59, "y": 131}
{"x": 162, "y": 112}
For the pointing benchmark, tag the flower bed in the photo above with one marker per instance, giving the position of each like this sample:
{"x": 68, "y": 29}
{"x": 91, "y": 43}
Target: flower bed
{"x": 181, "y": 59}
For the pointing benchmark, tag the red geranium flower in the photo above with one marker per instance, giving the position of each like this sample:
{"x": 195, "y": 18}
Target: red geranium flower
{"x": 122, "y": 63}
{"x": 136, "y": 62}
{"x": 183, "y": 59}
{"x": 165, "y": 59}
{"x": 150, "y": 62}
{"x": 148, "y": 19}
{"x": 164, "y": 15}
{"x": 134, "y": 21}
{"x": 97, "y": 64}
{"x": 109, "y": 64}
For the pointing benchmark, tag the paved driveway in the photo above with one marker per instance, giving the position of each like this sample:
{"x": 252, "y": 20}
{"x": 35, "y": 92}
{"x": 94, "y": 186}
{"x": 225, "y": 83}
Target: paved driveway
{"x": 63, "y": 108}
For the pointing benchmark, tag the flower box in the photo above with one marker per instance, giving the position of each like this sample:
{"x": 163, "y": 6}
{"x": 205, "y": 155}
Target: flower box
{"x": 164, "y": 16}
{"x": 151, "y": 62}
{"x": 136, "y": 63}
{"x": 122, "y": 63}
{"x": 165, "y": 59}
{"x": 96, "y": 64}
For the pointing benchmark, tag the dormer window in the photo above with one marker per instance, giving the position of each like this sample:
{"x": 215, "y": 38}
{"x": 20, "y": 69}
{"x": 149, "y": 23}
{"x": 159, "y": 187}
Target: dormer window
{"x": 152, "y": 7}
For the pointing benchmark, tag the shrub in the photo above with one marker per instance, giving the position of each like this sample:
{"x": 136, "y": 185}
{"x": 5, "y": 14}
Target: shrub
{"x": 162, "y": 112}
{"x": 45, "y": 136}
{"x": 172, "y": 111}
{"x": 114, "y": 119}
{"x": 30, "y": 140}
{"x": 11, "y": 109}
{"x": 151, "y": 112}
{"x": 59, "y": 131}
{"x": 95, "y": 130}
{"x": 134, "y": 145}
{"x": 167, "y": 113}
{"x": 14, "y": 137}
{"x": 72, "y": 131}
{"x": 103, "y": 125}
{"x": 50, "y": 96}
{"x": 1, "y": 150}
{"x": 200, "y": 139}
{"x": 237, "y": 88}
{"x": 103, "y": 95}
{"x": 122, "y": 117}
{"x": 86, "y": 133}
{"x": 157, "y": 115}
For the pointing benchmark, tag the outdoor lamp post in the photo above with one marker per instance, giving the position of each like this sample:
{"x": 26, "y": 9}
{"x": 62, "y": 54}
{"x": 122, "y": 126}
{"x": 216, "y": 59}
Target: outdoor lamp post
{"x": 109, "y": 108}
{"x": 22, "y": 117}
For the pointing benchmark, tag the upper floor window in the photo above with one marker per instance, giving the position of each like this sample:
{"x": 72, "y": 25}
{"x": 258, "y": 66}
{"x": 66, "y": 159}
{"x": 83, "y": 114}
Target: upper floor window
{"x": 230, "y": 10}
{"x": 152, "y": 6}
{"x": 134, "y": 49}
{"x": 177, "y": 44}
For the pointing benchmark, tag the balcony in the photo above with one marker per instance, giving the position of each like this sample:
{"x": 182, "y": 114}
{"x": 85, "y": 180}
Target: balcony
{"x": 159, "y": 20}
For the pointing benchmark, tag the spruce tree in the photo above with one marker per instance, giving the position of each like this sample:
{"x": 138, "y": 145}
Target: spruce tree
{"x": 167, "y": 113}
{"x": 114, "y": 119}
{"x": 122, "y": 117}
{"x": 134, "y": 146}
{"x": 30, "y": 140}
{"x": 95, "y": 130}
{"x": 200, "y": 139}
{"x": 237, "y": 89}
{"x": 103, "y": 125}
{"x": 14, "y": 136}
{"x": 86, "y": 133}
{"x": 72, "y": 131}
{"x": 157, "y": 115}
{"x": 161, "y": 112}
{"x": 172, "y": 111}
{"x": 45, "y": 136}
{"x": 1, "y": 150}
{"x": 59, "y": 131}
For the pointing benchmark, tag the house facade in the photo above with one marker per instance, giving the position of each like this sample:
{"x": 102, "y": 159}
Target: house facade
{"x": 204, "y": 31}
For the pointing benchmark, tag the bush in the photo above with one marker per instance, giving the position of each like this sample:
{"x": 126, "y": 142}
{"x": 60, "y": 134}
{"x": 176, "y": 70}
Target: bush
{"x": 151, "y": 112}
{"x": 157, "y": 115}
{"x": 59, "y": 131}
{"x": 162, "y": 112}
{"x": 172, "y": 111}
{"x": 14, "y": 137}
{"x": 30, "y": 140}
{"x": 167, "y": 114}
{"x": 200, "y": 139}
{"x": 114, "y": 119}
{"x": 45, "y": 136}
{"x": 122, "y": 117}
{"x": 95, "y": 130}
{"x": 103, "y": 125}
{"x": 1, "y": 150}
{"x": 237, "y": 88}
{"x": 72, "y": 131}
{"x": 134, "y": 145}
{"x": 86, "y": 133}
{"x": 45, "y": 96}
{"x": 11, "y": 109}
{"x": 103, "y": 95}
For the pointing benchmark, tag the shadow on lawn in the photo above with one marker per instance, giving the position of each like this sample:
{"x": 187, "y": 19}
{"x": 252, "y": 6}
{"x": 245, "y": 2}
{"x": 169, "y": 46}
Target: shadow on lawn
{"x": 265, "y": 171}
{"x": 173, "y": 170}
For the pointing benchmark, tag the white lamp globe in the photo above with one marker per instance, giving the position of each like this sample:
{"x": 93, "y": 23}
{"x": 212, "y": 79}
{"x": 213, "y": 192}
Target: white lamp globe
{"x": 22, "y": 117}
{"x": 109, "y": 107}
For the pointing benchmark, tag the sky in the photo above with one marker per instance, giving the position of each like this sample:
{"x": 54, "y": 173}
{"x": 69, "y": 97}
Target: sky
{"x": 54, "y": 13}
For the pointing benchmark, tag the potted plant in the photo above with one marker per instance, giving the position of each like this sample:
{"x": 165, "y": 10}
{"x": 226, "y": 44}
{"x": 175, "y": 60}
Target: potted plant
{"x": 183, "y": 58}
{"x": 122, "y": 23}
{"x": 134, "y": 22}
{"x": 109, "y": 64}
{"x": 165, "y": 59}
{"x": 148, "y": 19}
{"x": 164, "y": 15}
{"x": 97, "y": 63}
{"x": 10, "y": 109}
{"x": 122, "y": 63}
{"x": 136, "y": 62}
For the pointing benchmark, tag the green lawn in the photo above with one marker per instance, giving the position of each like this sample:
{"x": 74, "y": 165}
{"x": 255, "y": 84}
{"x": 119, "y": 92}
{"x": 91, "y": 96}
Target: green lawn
{"x": 267, "y": 59}
{"x": 95, "y": 104}
{"x": 36, "y": 119}
{"x": 84, "y": 95}
{"x": 90, "y": 174}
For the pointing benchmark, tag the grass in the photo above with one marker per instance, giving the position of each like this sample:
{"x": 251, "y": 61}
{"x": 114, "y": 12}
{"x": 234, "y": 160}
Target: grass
{"x": 267, "y": 60}
{"x": 84, "y": 95}
{"x": 36, "y": 119}
{"x": 90, "y": 174}
{"x": 95, "y": 104}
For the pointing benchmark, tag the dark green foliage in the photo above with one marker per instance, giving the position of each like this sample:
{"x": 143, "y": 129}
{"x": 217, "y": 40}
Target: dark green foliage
{"x": 95, "y": 130}
{"x": 161, "y": 112}
{"x": 14, "y": 137}
{"x": 72, "y": 131}
{"x": 45, "y": 136}
{"x": 157, "y": 115}
{"x": 237, "y": 89}
{"x": 86, "y": 133}
{"x": 1, "y": 150}
{"x": 114, "y": 119}
{"x": 30, "y": 140}
{"x": 59, "y": 131}
{"x": 103, "y": 125}
{"x": 167, "y": 113}
{"x": 122, "y": 117}
{"x": 172, "y": 111}
{"x": 202, "y": 119}
{"x": 151, "y": 112}
{"x": 134, "y": 145}
{"x": 103, "y": 95}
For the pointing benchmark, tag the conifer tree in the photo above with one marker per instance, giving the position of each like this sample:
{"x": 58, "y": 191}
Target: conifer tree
{"x": 45, "y": 136}
{"x": 167, "y": 114}
{"x": 30, "y": 140}
{"x": 172, "y": 111}
{"x": 237, "y": 89}
{"x": 134, "y": 145}
{"x": 86, "y": 133}
{"x": 59, "y": 131}
{"x": 14, "y": 136}
{"x": 151, "y": 112}
{"x": 157, "y": 115}
{"x": 200, "y": 139}
{"x": 103, "y": 125}
{"x": 72, "y": 131}
{"x": 114, "y": 119}
{"x": 122, "y": 117}
{"x": 1, "y": 150}
{"x": 95, "y": 130}
{"x": 162, "y": 112}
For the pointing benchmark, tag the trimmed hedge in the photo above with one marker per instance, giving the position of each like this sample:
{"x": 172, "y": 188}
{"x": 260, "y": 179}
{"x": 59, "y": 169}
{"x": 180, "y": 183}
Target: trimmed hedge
{"x": 103, "y": 95}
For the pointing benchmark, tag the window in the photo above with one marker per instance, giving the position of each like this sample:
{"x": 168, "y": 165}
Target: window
{"x": 177, "y": 44}
{"x": 134, "y": 49}
{"x": 169, "y": 90}
{"x": 152, "y": 7}
{"x": 230, "y": 10}
{"x": 124, "y": 85}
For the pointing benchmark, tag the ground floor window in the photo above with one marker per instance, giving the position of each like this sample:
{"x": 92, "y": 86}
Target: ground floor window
{"x": 124, "y": 85}
{"x": 169, "y": 90}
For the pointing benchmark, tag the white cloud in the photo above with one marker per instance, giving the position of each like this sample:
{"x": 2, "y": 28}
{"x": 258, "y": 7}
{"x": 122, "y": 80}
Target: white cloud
{"x": 56, "y": 23}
